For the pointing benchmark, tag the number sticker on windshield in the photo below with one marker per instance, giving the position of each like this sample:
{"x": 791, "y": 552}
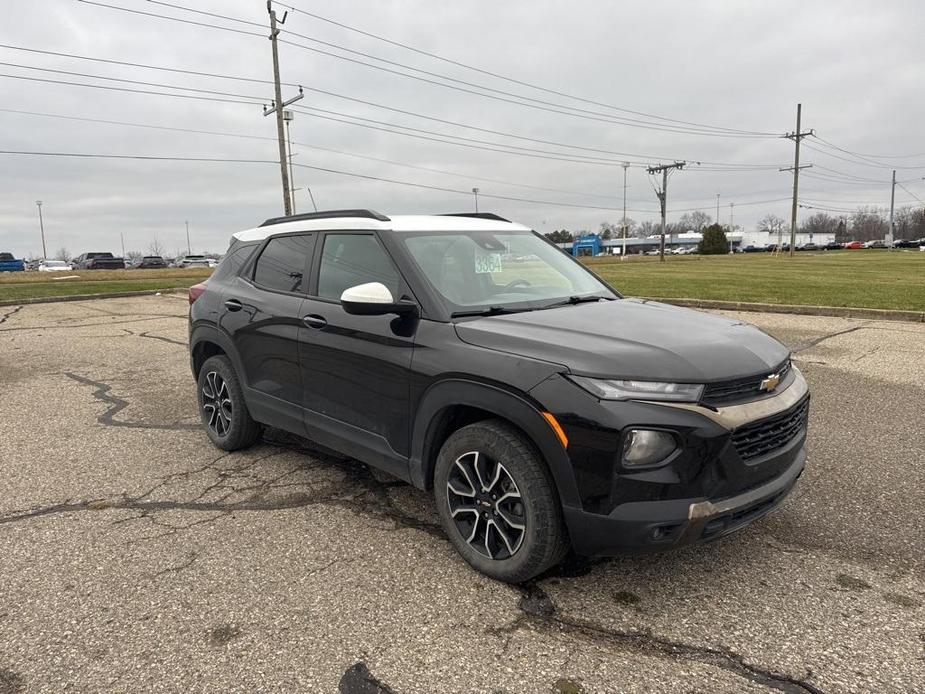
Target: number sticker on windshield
{"x": 489, "y": 263}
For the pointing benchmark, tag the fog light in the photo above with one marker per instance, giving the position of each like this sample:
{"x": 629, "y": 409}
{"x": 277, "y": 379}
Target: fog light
{"x": 642, "y": 447}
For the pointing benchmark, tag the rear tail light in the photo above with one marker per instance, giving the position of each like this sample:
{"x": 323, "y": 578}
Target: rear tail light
{"x": 196, "y": 291}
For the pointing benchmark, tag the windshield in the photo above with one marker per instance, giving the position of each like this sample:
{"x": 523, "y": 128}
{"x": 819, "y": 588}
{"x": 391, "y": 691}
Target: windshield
{"x": 477, "y": 270}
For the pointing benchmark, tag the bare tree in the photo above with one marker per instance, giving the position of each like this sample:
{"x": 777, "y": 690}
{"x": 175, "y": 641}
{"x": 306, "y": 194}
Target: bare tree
{"x": 133, "y": 257}
{"x": 694, "y": 221}
{"x": 62, "y": 254}
{"x": 771, "y": 223}
{"x": 869, "y": 223}
{"x": 820, "y": 223}
{"x": 647, "y": 228}
{"x": 156, "y": 247}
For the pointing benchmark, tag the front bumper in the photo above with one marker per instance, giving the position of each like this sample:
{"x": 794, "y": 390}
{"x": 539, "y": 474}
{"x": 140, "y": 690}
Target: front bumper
{"x": 647, "y": 526}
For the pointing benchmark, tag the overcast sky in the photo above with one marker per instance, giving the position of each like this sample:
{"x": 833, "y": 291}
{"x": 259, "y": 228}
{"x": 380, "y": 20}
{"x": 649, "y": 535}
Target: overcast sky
{"x": 857, "y": 67}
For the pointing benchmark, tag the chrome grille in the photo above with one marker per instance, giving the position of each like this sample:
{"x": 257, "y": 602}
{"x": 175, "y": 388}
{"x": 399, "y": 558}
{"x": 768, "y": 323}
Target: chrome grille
{"x": 767, "y": 435}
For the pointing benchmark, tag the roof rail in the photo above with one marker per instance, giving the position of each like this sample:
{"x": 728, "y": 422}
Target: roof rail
{"x": 331, "y": 214}
{"x": 477, "y": 215}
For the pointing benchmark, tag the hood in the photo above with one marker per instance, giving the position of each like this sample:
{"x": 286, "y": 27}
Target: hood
{"x": 631, "y": 338}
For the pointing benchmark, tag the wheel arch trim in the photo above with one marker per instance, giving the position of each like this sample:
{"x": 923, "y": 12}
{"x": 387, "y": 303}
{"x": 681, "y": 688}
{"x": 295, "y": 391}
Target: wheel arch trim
{"x": 513, "y": 407}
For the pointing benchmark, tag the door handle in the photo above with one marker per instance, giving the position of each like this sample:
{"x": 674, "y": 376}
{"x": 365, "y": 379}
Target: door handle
{"x": 233, "y": 305}
{"x": 314, "y": 321}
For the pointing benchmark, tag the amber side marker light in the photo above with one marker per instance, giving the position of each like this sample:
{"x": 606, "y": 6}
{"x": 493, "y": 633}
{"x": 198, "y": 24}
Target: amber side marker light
{"x": 557, "y": 428}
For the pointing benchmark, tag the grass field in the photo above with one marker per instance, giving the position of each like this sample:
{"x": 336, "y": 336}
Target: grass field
{"x": 863, "y": 278}
{"x": 33, "y": 285}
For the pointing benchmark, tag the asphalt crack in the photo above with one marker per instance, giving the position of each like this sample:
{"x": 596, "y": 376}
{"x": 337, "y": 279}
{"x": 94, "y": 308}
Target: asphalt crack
{"x": 117, "y": 404}
{"x": 808, "y": 344}
{"x": 358, "y": 492}
{"x": 540, "y": 612}
{"x": 6, "y": 316}
{"x": 169, "y": 340}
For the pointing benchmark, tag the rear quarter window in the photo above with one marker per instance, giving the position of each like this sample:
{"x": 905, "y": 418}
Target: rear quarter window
{"x": 233, "y": 261}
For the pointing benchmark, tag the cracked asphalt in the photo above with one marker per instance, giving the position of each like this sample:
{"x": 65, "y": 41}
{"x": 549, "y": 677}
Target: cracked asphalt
{"x": 134, "y": 556}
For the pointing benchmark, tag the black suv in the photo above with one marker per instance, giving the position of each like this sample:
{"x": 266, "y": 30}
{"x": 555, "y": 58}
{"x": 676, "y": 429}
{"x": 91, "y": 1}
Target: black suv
{"x": 467, "y": 355}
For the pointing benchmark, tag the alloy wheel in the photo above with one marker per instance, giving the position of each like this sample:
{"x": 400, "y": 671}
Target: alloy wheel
{"x": 216, "y": 404}
{"x": 486, "y": 506}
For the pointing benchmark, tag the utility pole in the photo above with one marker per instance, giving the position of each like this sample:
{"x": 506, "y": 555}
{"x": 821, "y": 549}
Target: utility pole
{"x": 288, "y": 117}
{"x": 797, "y": 135}
{"x": 277, "y": 107}
{"x": 475, "y": 192}
{"x": 122, "y": 241}
{"x": 42, "y": 227}
{"x": 312, "y": 197}
{"x": 889, "y": 239}
{"x": 189, "y": 249}
{"x": 717, "y": 208}
{"x": 663, "y": 197}
{"x": 626, "y": 165}
{"x": 732, "y": 218}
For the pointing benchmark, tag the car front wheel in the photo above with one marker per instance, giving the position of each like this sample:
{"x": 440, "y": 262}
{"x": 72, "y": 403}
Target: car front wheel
{"x": 497, "y": 502}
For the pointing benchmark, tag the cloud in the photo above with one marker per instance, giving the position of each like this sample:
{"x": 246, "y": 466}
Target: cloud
{"x": 854, "y": 65}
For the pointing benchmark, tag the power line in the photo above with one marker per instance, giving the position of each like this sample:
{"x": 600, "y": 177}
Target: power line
{"x": 870, "y": 157}
{"x": 504, "y": 77}
{"x": 533, "y": 103}
{"x": 706, "y": 165}
{"x": 133, "y": 91}
{"x": 244, "y": 160}
{"x": 311, "y": 146}
{"x": 85, "y": 155}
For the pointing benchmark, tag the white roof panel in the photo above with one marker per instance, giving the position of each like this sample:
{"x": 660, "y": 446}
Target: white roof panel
{"x": 397, "y": 223}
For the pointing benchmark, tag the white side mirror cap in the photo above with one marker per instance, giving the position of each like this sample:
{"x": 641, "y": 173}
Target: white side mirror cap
{"x": 369, "y": 293}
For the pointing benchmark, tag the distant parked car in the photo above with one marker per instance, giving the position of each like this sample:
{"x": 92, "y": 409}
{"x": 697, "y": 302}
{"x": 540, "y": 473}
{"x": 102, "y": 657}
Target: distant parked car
{"x": 753, "y": 249}
{"x": 195, "y": 261}
{"x": 808, "y": 246}
{"x": 876, "y": 243}
{"x": 10, "y": 264}
{"x": 854, "y": 245}
{"x": 98, "y": 261}
{"x": 833, "y": 246}
{"x": 53, "y": 266}
{"x": 150, "y": 262}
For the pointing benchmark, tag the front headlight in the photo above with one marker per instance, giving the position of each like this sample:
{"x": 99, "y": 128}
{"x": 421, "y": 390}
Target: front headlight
{"x": 612, "y": 389}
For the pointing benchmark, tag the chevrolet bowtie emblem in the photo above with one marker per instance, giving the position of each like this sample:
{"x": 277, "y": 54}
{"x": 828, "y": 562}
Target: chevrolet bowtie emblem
{"x": 770, "y": 383}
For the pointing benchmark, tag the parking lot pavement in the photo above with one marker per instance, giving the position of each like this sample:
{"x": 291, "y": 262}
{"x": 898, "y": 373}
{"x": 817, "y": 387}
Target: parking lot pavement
{"x": 134, "y": 556}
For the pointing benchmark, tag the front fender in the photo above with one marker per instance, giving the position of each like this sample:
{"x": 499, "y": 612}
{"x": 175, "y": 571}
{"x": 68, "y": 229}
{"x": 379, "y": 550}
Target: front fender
{"x": 518, "y": 409}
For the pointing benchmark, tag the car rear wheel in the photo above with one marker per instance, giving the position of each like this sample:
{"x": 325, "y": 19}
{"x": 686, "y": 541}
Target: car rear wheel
{"x": 497, "y": 502}
{"x": 221, "y": 405}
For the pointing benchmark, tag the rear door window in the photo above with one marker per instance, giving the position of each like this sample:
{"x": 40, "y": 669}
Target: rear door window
{"x": 282, "y": 266}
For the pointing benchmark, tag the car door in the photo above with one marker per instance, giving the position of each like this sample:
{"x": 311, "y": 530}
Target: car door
{"x": 261, "y": 311}
{"x": 355, "y": 369}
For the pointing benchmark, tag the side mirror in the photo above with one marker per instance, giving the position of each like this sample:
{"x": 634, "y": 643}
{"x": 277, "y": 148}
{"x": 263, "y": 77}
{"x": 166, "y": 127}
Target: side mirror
{"x": 374, "y": 299}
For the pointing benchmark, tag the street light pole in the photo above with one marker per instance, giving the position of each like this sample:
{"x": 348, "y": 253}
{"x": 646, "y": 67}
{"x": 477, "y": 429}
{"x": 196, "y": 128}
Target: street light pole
{"x": 42, "y": 228}
{"x": 717, "y": 208}
{"x": 475, "y": 192}
{"x": 626, "y": 165}
{"x": 189, "y": 249}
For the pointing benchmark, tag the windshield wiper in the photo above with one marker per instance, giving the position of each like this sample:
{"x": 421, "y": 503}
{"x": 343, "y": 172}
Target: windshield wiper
{"x": 488, "y": 311}
{"x": 577, "y": 300}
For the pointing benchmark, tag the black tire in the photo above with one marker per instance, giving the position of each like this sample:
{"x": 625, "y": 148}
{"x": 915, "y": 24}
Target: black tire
{"x": 541, "y": 543}
{"x": 222, "y": 408}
